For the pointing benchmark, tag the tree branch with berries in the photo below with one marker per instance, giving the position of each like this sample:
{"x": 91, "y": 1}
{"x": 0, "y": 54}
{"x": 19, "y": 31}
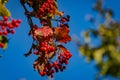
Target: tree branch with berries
{"x": 7, "y": 24}
{"x": 48, "y": 39}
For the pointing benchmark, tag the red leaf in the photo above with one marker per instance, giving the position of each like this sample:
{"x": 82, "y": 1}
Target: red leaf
{"x": 61, "y": 34}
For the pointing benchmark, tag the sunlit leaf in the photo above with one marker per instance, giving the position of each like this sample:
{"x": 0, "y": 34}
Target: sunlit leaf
{"x": 86, "y": 36}
{"x": 4, "y": 11}
{"x": 98, "y": 54}
{"x": 61, "y": 34}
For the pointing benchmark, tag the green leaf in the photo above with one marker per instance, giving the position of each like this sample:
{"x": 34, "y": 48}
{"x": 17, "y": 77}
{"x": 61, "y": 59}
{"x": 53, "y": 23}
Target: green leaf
{"x": 4, "y": 40}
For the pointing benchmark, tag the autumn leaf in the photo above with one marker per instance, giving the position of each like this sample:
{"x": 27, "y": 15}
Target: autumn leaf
{"x": 4, "y": 11}
{"x": 57, "y": 12}
{"x": 61, "y": 34}
{"x": 62, "y": 48}
{"x": 39, "y": 64}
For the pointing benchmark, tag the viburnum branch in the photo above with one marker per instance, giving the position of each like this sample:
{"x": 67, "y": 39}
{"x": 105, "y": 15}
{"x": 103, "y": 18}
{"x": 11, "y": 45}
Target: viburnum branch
{"x": 47, "y": 36}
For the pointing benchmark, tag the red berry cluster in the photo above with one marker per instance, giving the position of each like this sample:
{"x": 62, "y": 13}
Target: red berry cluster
{"x": 64, "y": 57}
{"x": 53, "y": 67}
{"x": 44, "y": 37}
{"x": 46, "y": 49}
{"x": 7, "y": 26}
{"x": 52, "y": 56}
{"x": 46, "y": 8}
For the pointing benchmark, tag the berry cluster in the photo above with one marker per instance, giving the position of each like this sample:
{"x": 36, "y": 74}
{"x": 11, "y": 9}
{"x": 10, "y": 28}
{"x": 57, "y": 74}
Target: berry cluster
{"x": 46, "y": 8}
{"x": 52, "y": 56}
{"x": 7, "y": 26}
{"x": 64, "y": 57}
{"x": 46, "y": 49}
{"x": 51, "y": 67}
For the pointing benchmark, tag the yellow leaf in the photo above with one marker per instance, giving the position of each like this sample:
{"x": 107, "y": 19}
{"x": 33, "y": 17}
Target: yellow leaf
{"x": 98, "y": 54}
{"x": 58, "y": 12}
{"x": 4, "y": 11}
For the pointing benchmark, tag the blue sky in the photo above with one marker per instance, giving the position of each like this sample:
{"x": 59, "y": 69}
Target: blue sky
{"x": 13, "y": 64}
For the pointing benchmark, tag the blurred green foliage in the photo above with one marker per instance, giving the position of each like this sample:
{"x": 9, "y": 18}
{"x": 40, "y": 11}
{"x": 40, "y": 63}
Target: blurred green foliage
{"x": 4, "y": 40}
{"x": 3, "y": 10}
{"x": 107, "y": 54}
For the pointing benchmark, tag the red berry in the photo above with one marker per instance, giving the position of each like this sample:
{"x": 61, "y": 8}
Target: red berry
{"x": 5, "y": 18}
{"x": 41, "y": 10}
{"x": 63, "y": 20}
{"x": 10, "y": 26}
{"x": 55, "y": 63}
{"x": 1, "y": 23}
{"x": 35, "y": 52}
{"x": 41, "y": 73}
{"x": 5, "y": 33}
{"x": 12, "y": 31}
{"x": 3, "y": 27}
{"x": 66, "y": 62}
{"x": 1, "y": 45}
{"x": 16, "y": 24}
{"x": 0, "y": 32}
{"x": 13, "y": 21}
{"x": 19, "y": 20}
{"x": 7, "y": 23}
{"x": 50, "y": 65}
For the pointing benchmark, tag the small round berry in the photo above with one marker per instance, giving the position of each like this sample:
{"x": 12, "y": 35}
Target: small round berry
{"x": 5, "y": 33}
{"x": 1, "y": 32}
{"x": 41, "y": 73}
{"x": 1, "y": 45}
{"x": 5, "y": 18}
{"x": 35, "y": 52}
{"x": 19, "y": 20}
{"x": 12, "y": 31}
